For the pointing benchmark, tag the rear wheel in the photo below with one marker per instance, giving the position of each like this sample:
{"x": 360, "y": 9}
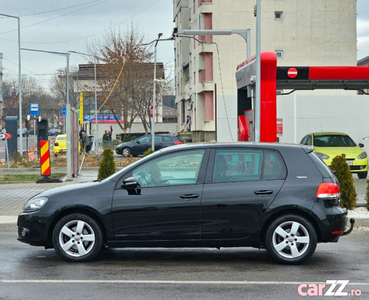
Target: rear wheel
{"x": 291, "y": 239}
{"x": 126, "y": 152}
{"x": 77, "y": 237}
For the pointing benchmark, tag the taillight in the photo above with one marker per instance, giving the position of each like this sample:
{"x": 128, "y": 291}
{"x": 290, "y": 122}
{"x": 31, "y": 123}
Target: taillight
{"x": 177, "y": 143}
{"x": 56, "y": 144}
{"x": 330, "y": 193}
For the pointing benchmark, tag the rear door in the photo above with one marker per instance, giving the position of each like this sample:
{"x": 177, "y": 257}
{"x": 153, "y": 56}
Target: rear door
{"x": 240, "y": 185}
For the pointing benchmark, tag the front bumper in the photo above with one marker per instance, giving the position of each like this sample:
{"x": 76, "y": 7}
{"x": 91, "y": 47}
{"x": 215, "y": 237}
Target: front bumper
{"x": 32, "y": 230}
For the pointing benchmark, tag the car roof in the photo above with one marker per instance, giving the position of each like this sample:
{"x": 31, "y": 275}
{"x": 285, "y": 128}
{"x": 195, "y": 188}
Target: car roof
{"x": 328, "y": 133}
{"x": 262, "y": 145}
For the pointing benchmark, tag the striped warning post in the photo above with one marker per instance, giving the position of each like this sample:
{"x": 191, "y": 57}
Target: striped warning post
{"x": 45, "y": 158}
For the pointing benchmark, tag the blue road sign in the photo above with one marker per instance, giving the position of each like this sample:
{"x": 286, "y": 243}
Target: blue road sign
{"x": 34, "y": 109}
{"x": 64, "y": 111}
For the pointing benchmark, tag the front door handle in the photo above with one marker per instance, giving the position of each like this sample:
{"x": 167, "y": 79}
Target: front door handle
{"x": 263, "y": 192}
{"x": 189, "y": 196}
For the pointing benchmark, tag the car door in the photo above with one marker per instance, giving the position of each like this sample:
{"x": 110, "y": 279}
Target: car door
{"x": 240, "y": 185}
{"x": 140, "y": 145}
{"x": 166, "y": 204}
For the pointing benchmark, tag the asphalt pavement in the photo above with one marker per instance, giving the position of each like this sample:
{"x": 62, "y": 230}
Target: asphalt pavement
{"x": 14, "y": 194}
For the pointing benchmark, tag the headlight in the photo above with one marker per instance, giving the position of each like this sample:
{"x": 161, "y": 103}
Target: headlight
{"x": 362, "y": 155}
{"x": 34, "y": 204}
{"x": 322, "y": 155}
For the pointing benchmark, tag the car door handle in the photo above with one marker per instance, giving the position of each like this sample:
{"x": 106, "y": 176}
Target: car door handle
{"x": 189, "y": 196}
{"x": 263, "y": 192}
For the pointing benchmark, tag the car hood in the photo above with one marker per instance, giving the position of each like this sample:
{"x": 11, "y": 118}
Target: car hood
{"x": 351, "y": 152}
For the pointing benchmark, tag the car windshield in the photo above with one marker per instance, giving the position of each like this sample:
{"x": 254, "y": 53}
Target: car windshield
{"x": 333, "y": 141}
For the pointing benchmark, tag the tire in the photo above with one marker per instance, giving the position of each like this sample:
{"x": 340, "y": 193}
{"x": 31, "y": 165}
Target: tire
{"x": 77, "y": 237}
{"x": 291, "y": 239}
{"x": 362, "y": 175}
{"x": 126, "y": 152}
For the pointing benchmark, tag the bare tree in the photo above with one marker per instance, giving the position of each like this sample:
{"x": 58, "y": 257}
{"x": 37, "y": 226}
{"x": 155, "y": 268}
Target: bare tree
{"x": 126, "y": 75}
{"x": 32, "y": 92}
{"x": 58, "y": 87}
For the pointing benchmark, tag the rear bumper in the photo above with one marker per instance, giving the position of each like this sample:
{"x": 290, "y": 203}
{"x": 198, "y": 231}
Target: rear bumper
{"x": 333, "y": 227}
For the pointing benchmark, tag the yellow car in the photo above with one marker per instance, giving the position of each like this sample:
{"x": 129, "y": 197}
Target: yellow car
{"x": 327, "y": 145}
{"x": 60, "y": 144}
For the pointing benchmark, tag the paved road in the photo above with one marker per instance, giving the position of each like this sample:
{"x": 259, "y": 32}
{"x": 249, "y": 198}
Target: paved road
{"x": 28, "y": 272}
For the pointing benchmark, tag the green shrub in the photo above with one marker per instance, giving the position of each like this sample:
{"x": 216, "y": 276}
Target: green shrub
{"x": 147, "y": 152}
{"x": 347, "y": 187}
{"x": 107, "y": 164}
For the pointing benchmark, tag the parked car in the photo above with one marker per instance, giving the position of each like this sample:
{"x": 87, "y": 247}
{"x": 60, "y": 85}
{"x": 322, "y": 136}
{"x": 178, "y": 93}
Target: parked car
{"x": 138, "y": 146}
{"x": 274, "y": 196}
{"x": 53, "y": 132}
{"x": 24, "y": 132}
{"x": 327, "y": 145}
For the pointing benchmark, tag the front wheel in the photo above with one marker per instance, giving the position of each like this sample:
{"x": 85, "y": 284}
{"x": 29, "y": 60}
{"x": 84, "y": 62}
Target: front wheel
{"x": 362, "y": 175}
{"x": 291, "y": 239}
{"x": 126, "y": 152}
{"x": 77, "y": 237}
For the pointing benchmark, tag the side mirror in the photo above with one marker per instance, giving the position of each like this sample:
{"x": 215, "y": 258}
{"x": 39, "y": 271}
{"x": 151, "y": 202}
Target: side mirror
{"x": 361, "y": 145}
{"x": 130, "y": 183}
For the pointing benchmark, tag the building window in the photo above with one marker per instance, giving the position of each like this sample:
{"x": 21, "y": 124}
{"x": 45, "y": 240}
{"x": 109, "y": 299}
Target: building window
{"x": 278, "y": 15}
{"x": 279, "y": 53}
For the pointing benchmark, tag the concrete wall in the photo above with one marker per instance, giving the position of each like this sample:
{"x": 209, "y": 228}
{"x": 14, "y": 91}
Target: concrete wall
{"x": 316, "y": 112}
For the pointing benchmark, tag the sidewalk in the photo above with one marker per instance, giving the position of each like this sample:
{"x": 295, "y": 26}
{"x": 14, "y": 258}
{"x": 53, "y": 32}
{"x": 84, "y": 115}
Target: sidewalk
{"x": 14, "y": 195}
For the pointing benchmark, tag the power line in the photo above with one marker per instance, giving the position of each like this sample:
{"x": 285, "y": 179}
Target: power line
{"x": 57, "y": 17}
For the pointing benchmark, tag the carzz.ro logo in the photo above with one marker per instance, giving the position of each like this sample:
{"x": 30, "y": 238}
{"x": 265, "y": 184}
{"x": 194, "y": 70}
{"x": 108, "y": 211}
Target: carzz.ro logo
{"x": 329, "y": 288}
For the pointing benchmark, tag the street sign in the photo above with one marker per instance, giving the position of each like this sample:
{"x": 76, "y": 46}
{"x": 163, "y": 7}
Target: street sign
{"x": 34, "y": 111}
{"x": 5, "y": 136}
{"x": 64, "y": 111}
{"x": 151, "y": 111}
{"x": 292, "y": 72}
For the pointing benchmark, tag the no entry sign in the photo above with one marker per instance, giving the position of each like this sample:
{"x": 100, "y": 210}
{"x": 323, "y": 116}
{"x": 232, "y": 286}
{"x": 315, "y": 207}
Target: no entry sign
{"x": 292, "y": 72}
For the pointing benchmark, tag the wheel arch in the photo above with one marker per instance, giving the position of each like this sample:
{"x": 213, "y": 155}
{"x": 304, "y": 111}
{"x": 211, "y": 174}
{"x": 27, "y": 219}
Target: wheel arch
{"x": 287, "y": 211}
{"x": 73, "y": 210}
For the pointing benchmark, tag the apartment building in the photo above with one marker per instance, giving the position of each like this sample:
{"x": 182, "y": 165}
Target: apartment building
{"x": 302, "y": 33}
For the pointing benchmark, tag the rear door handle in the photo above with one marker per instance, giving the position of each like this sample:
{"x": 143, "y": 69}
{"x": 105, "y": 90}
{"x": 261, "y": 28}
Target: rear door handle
{"x": 263, "y": 192}
{"x": 189, "y": 196}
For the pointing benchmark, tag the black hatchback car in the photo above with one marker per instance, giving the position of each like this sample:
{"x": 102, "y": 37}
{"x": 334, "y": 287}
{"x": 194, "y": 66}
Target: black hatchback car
{"x": 138, "y": 146}
{"x": 274, "y": 196}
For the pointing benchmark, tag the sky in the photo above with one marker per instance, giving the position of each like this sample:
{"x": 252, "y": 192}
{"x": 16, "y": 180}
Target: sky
{"x": 70, "y": 25}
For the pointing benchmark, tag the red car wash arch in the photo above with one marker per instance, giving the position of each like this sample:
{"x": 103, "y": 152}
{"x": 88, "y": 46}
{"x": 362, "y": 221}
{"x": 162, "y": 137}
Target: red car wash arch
{"x": 273, "y": 78}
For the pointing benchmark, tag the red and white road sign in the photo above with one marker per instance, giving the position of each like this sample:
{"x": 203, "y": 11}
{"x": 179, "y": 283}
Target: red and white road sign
{"x": 292, "y": 72}
{"x": 151, "y": 111}
{"x": 5, "y": 136}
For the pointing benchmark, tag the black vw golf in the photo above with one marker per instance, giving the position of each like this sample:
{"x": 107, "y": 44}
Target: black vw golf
{"x": 274, "y": 196}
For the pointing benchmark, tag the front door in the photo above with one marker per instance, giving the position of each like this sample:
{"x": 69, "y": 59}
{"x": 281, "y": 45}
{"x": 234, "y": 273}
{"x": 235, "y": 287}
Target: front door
{"x": 166, "y": 207}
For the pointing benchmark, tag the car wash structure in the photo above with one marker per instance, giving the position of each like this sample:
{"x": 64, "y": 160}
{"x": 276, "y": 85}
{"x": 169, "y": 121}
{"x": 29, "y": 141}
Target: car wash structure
{"x": 273, "y": 78}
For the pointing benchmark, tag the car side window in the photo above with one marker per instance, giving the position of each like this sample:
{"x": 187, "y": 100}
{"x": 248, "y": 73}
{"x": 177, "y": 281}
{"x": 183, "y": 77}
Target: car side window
{"x": 237, "y": 165}
{"x": 273, "y": 166}
{"x": 306, "y": 140}
{"x": 167, "y": 138}
{"x": 173, "y": 169}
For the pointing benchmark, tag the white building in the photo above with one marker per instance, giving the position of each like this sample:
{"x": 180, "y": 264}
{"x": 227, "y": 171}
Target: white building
{"x": 302, "y": 33}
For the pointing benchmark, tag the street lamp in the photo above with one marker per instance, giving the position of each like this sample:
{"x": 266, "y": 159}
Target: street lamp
{"x": 19, "y": 84}
{"x": 68, "y": 123}
{"x": 96, "y": 129}
{"x": 154, "y": 99}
